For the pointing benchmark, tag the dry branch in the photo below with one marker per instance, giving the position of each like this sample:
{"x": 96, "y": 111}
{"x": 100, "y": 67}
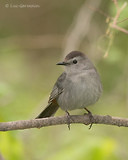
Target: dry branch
{"x": 82, "y": 119}
{"x": 115, "y": 21}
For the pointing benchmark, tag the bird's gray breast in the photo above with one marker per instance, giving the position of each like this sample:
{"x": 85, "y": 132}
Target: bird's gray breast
{"x": 80, "y": 90}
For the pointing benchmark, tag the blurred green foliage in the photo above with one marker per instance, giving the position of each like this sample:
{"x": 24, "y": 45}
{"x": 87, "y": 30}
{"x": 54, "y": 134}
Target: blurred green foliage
{"x": 11, "y": 146}
{"x": 28, "y": 73}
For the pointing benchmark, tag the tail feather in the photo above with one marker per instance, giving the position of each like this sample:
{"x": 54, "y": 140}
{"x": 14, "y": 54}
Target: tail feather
{"x": 48, "y": 111}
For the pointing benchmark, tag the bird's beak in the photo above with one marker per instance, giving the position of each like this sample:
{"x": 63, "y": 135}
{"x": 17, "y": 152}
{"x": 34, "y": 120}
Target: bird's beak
{"x": 62, "y": 63}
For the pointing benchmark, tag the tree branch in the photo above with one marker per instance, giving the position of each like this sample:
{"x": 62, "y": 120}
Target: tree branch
{"x": 84, "y": 119}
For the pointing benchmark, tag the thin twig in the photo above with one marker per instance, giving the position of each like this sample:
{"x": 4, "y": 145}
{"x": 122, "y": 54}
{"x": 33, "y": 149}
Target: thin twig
{"x": 119, "y": 10}
{"x": 83, "y": 119}
{"x": 119, "y": 29}
{"x": 114, "y": 25}
{"x": 100, "y": 12}
{"x": 122, "y": 20}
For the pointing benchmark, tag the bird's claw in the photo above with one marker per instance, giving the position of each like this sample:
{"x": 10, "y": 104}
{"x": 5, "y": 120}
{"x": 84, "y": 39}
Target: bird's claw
{"x": 91, "y": 118}
{"x": 68, "y": 119}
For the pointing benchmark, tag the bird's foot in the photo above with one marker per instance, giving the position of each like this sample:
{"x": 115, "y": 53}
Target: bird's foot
{"x": 90, "y": 117}
{"x": 68, "y": 119}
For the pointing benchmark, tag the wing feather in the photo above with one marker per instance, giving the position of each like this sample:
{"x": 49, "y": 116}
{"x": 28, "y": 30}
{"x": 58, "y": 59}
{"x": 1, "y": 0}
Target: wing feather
{"x": 58, "y": 87}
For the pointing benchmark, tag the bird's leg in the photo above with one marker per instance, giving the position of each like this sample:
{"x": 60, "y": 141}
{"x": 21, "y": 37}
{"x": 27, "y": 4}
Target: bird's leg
{"x": 68, "y": 119}
{"x": 90, "y": 117}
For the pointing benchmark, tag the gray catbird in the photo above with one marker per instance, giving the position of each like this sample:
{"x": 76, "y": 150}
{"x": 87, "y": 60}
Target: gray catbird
{"x": 77, "y": 87}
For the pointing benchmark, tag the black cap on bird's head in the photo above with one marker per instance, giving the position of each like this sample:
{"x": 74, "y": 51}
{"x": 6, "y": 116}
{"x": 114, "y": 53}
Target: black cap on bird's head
{"x": 72, "y": 55}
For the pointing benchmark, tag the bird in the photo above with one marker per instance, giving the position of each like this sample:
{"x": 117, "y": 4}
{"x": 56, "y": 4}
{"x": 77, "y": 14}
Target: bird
{"x": 78, "y": 87}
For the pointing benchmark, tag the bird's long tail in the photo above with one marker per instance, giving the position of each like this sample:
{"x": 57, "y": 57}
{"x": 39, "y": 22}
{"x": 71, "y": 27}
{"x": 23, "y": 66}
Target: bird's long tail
{"x": 49, "y": 111}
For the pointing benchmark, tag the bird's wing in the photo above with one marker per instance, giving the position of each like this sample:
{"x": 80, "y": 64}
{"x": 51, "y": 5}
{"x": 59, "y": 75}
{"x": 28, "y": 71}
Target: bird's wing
{"x": 58, "y": 88}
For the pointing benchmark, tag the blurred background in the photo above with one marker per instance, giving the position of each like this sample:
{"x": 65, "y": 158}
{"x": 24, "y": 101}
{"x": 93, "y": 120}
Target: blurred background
{"x": 34, "y": 36}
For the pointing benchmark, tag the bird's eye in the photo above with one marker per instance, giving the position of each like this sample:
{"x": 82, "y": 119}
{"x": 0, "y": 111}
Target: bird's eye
{"x": 74, "y": 61}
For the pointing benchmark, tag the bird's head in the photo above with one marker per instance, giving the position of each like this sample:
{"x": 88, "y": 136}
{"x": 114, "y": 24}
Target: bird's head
{"x": 76, "y": 61}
